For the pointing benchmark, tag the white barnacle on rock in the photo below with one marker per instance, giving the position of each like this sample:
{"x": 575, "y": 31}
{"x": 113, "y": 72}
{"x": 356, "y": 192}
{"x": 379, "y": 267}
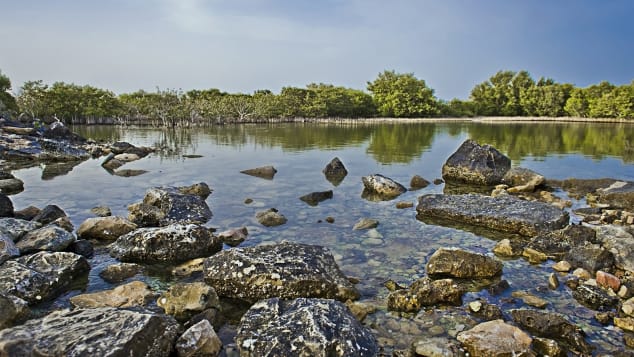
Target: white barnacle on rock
{"x": 249, "y": 270}
{"x": 275, "y": 276}
{"x": 239, "y": 263}
{"x": 249, "y": 342}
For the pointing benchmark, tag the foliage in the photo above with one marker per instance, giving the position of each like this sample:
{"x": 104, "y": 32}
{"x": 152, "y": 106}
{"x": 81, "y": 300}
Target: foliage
{"x": 8, "y": 103}
{"x": 402, "y": 95}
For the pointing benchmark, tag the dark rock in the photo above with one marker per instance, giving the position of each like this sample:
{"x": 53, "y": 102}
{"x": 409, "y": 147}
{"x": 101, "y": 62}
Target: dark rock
{"x": 63, "y": 223}
{"x": 105, "y": 228}
{"x": 578, "y": 188}
{"x": 558, "y": 243}
{"x": 425, "y": 292}
{"x": 13, "y": 310}
{"x": 418, "y": 182}
{"x": 335, "y": 171}
{"x": 50, "y": 170}
{"x": 547, "y": 347}
{"x": 58, "y": 131}
{"x": 506, "y": 214}
{"x": 495, "y": 338}
{"x": 233, "y": 237}
{"x": 92, "y": 332}
{"x": 101, "y": 211}
{"x": 11, "y": 186}
{"x": 485, "y": 310}
{"x": 594, "y": 297}
{"x": 82, "y": 247}
{"x": 498, "y": 288}
{"x": 476, "y": 164}
{"x": 618, "y": 195}
{"x": 285, "y": 270}
{"x": 554, "y": 326}
{"x": 8, "y": 250}
{"x": 116, "y": 273}
{"x": 50, "y": 238}
{"x": 457, "y": 263}
{"x": 120, "y": 147}
{"x": 438, "y": 181}
{"x": 48, "y": 214}
{"x": 200, "y": 189}
{"x": 265, "y": 172}
{"x": 27, "y": 213}
{"x": 591, "y": 258}
{"x": 303, "y": 327}
{"x": 6, "y": 206}
{"x": 522, "y": 180}
{"x": 163, "y": 206}
{"x": 172, "y": 244}
{"x": 314, "y": 198}
{"x": 270, "y": 218}
{"x": 380, "y": 187}
{"x": 129, "y": 172}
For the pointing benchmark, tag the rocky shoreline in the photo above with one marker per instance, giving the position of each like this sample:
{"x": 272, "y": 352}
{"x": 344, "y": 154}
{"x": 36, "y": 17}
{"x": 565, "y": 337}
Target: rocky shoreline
{"x": 293, "y": 299}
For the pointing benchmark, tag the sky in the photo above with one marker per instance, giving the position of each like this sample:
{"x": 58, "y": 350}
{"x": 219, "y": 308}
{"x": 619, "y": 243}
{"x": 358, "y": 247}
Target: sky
{"x": 246, "y": 45}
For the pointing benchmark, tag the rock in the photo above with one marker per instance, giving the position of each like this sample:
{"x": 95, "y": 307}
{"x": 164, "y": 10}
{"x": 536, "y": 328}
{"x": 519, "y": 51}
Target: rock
{"x": 270, "y": 218}
{"x": 265, "y": 172}
{"x": 620, "y": 194}
{"x": 507, "y": 249}
{"x": 404, "y": 204}
{"x": 105, "y": 228}
{"x": 286, "y": 270}
{"x": 8, "y": 250}
{"x": 625, "y": 323}
{"x": 101, "y": 211}
{"x": 498, "y": 288}
{"x": 82, "y": 247}
{"x": 582, "y": 274}
{"x": 594, "y": 297}
{"x": 135, "y": 293}
{"x": 417, "y": 182}
{"x": 120, "y": 147}
{"x": 335, "y": 171}
{"x": 562, "y": 266}
{"x": 200, "y": 189}
{"x": 360, "y": 310}
{"x": 116, "y": 273}
{"x": 6, "y": 206}
{"x": 533, "y": 256}
{"x": 620, "y": 243}
{"x": 365, "y": 223}
{"x": 233, "y": 237}
{"x": 189, "y": 267}
{"x": 162, "y": 206}
{"x": 530, "y": 299}
{"x": 476, "y": 164}
{"x": 628, "y": 307}
{"x": 495, "y": 338}
{"x": 92, "y": 332}
{"x": 172, "y": 244}
{"x": 553, "y": 281}
{"x": 547, "y": 347}
{"x": 437, "y": 347}
{"x": 506, "y": 214}
{"x": 50, "y": 238}
{"x": 314, "y": 198}
{"x": 64, "y": 223}
{"x": 457, "y": 263}
{"x": 554, "y": 326}
{"x": 58, "y": 131}
{"x": 522, "y": 180}
{"x": 558, "y": 243}
{"x": 185, "y": 300}
{"x": 485, "y": 310}
{"x": 591, "y": 258}
{"x": 27, "y": 213}
{"x": 13, "y": 310}
{"x": 199, "y": 340}
{"x": 303, "y": 327}
{"x": 425, "y": 292}
{"x": 607, "y": 280}
{"x": 16, "y": 228}
{"x": 604, "y": 318}
{"x": 49, "y": 214}
{"x": 382, "y": 187}
{"x": 11, "y": 186}
{"x": 125, "y": 158}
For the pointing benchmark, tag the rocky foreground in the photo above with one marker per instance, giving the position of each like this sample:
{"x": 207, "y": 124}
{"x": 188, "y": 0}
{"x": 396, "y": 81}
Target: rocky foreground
{"x": 291, "y": 299}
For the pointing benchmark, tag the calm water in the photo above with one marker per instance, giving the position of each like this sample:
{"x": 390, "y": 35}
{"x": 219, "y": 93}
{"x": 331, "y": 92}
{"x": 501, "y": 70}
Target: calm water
{"x": 397, "y": 249}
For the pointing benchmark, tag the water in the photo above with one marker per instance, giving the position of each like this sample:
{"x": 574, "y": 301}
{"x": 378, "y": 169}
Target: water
{"x": 397, "y": 249}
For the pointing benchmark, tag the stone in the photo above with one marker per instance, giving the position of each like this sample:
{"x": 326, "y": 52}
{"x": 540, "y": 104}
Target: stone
{"x": 360, "y": 310}
{"x": 175, "y": 243}
{"x": 129, "y": 172}
{"x": 425, "y": 292}
{"x": 625, "y": 323}
{"x": 49, "y": 214}
{"x": 126, "y": 157}
{"x": 313, "y": 198}
{"x": 533, "y": 256}
{"x": 381, "y": 187}
{"x": 162, "y": 206}
{"x": 505, "y": 214}
{"x": 547, "y": 347}
{"x": 200, "y": 189}
{"x": 303, "y": 327}
{"x": 591, "y": 258}
{"x": 135, "y": 293}
{"x": 286, "y": 270}
{"x": 594, "y": 297}
{"x": 553, "y": 281}
{"x": 562, "y": 266}
{"x": 185, "y": 300}
{"x": 620, "y": 243}
{"x": 270, "y": 218}
{"x": 476, "y": 164}
{"x": 119, "y": 272}
{"x": 507, "y": 249}
{"x": 105, "y": 228}
{"x": 417, "y": 182}
{"x": 484, "y": 310}
{"x": 582, "y": 274}
{"x": 92, "y": 332}
{"x": 189, "y": 267}
{"x": 530, "y": 299}
{"x": 82, "y": 247}
{"x": 437, "y": 347}
{"x": 51, "y": 238}
{"x": 607, "y": 280}
{"x": 265, "y": 172}
{"x": 365, "y": 223}
{"x": 628, "y": 307}
{"x": 13, "y": 310}
{"x": 6, "y": 206}
{"x": 458, "y": 263}
{"x": 558, "y": 243}
{"x": 520, "y": 179}
{"x": 404, "y": 204}
{"x": 27, "y": 213}
{"x": 11, "y": 186}
{"x": 64, "y": 223}
{"x": 495, "y": 338}
{"x": 101, "y": 211}
{"x": 199, "y": 340}
{"x": 620, "y": 194}
{"x": 233, "y": 237}
{"x": 335, "y": 171}
{"x": 8, "y": 250}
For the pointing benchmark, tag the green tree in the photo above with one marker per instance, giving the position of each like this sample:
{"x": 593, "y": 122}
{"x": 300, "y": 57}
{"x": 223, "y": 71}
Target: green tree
{"x": 32, "y": 99}
{"x": 501, "y": 94}
{"x": 8, "y": 103}
{"x": 402, "y": 95}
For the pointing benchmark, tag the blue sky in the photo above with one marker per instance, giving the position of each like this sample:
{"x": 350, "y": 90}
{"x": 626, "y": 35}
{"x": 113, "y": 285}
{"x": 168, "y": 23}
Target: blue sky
{"x": 241, "y": 45}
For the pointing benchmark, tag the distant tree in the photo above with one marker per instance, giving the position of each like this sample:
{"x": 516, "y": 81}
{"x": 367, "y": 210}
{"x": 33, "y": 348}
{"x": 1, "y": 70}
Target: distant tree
{"x": 456, "y": 108}
{"x": 32, "y": 99}
{"x": 500, "y": 95}
{"x": 583, "y": 101}
{"x": 402, "y": 95}
{"x": 8, "y": 103}
{"x": 546, "y": 99}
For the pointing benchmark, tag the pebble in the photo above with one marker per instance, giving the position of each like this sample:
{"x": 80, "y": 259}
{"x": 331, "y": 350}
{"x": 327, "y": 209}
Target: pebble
{"x": 562, "y": 266}
{"x": 436, "y": 330}
{"x": 582, "y": 274}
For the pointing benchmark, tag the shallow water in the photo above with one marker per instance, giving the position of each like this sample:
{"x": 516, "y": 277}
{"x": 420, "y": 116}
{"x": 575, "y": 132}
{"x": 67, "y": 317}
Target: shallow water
{"x": 397, "y": 249}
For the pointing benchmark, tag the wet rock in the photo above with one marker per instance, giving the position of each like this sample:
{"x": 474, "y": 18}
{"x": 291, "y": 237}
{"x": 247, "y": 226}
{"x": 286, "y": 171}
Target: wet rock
{"x": 620, "y": 194}
{"x": 625, "y": 323}
{"x": 6, "y": 206}
{"x": 119, "y": 272}
{"x": 172, "y": 244}
{"x": 591, "y": 258}
{"x": 522, "y": 180}
{"x": 314, "y": 198}
{"x": 233, "y": 237}
{"x": 120, "y": 147}
{"x": 13, "y": 310}
{"x": 265, "y": 172}
{"x": 530, "y": 299}
{"x": 594, "y": 297}
{"x": 562, "y": 266}
{"x": 105, "y": 228}
{"x": 8, "y": 250}
{"x": 506, "y": 248}
{"x": 125, "y": 158}
{"x": 558, "y": 243}
{"x": 582, "y": 274}
{"x": 458, "y": 263}
{"x": 16, "y": 228}
{"x": 608, "y": 281}
{"x": 498, "y": 288}
{"x": 185, "y": 300}
{"x": 285, "y": 270}
{"x": 11, "y": 185}
{"x": 303, "y": 327}
{"x": 135, "y": 293}
{"x": 484, "y": 310}
{"x": 49, "y": 214}
{"x": 365, "y": 223}
{"x": 533, "y": 256}
{"x": 404, "y": 204}
{"x": 502, "y": 213}
{"x": 162, "y": 206}
{"x": 27, "y": 213}
{"x": 360, "y": 310}
{"x": 425, "y": 292}
{"x": 620, "y": 243}
{"x": 58, "y": 131}
{"x": 476, "y": 164}
{"x": 418, "y": 182}
{"x": 335, "y": 171}
{"x": 200, "y": 189}
{"x": 270, "y": 218}
{"x": 495, "y": 338}
{"x": 437, "y": 347}
{"x": 383, "y": 187}
{"x": 82, "y": 247}
{"x": 101, "y": 211}
{"x": 92, "y": 332}
{"x": 547, "y": 347}
{"x": 199, "y": 340}
{"x": 553, "y": 281}
{"x": 554, "y": 326}
{"x": 578, "y": 188}
{"x": 189, "y": 267}
{"x": 50, "y": 238}
{"x": 64, "y": 223}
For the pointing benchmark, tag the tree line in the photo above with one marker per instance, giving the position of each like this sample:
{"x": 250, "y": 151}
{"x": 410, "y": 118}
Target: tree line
{"x": 391, "y": 94}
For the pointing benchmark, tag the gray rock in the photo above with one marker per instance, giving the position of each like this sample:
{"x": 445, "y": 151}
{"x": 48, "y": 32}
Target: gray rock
{"x": 265, "y": 172}
{"x": 475, "y": 164}
{"x": 6, "y": 206}
{"x": 558, "y": 243}
{"x": 335, "y": 171}
{"x": 11, "y": 186}
{"x": 105, "y": 228}
{"x": 116, "y": 273}
{"x": 172, "y": 244}
{"x": 163, "y": 206}
{"x": 13, "y": 310}
{"x": 458, "y": 263}
{"x": 8, "y": 250}
{"x": 620, "y": 243}
{"x": 425, "y": 292}
{"x": 270, "y": 218}
{"x": 594, "y": 297}
{"x": 49, "y": 214}
{"x": 303, "y": 327}
{"x": 506, "y": 214}
{"x": 82, "y": 247}
{"x": 437, "y": 347}
{"x": 199, "y": 340}
{"x": 618, "y": 195}
{"x": 101, "y": 211}
{"x": 92, "y": 332}
{"x": 314, "y": 198}
{"x": 418, "y": 182}
{"x": 381, "y": 187}
{"x": 233, "y": 237}
{"x": 185, "y": 300}
{"x": 495, "y": 338}
{"x": 286, "y": 270}
{"x": 200, "y": 189}
{"x": 365, "y": 223}
{"x": 52, "y": 238}
{"x": 591, "y": 258}
{"x": 520, "y": 179}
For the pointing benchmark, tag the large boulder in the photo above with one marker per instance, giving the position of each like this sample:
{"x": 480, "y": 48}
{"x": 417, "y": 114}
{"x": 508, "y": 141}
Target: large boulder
{"x": 185, "y": 300}
{"x": 13, "y": 309}
{"x": 105, "y": 228}
{"x": 135, "y": 293}
{"x": 8, "y": 250}
{"x": 618, "y": 195}
{"x": 502, "y": 213}
{"x": 303, "y": 327}
{"x": 6, "y": 206}
{"x": 458, "y": 263}
{"x": 286, "y": 270}
{"x": 335, "y": 171}
{"x": 496, "y": 339}
{"x": 51, "y": 238}
{"x": 172, "y": 244}
{"x": 380, "y": 187}
{"x": 476, "y": 165}
{"x": 425, "y": 292}
{"x": 16, "y": 228}
{"x": 162, "y": 206}
{"x": 92, "y": 332}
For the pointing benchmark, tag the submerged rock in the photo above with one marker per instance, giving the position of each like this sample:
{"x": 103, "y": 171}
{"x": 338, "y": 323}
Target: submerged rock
{"x": 425, "y": 292}
{"x": 270, "y": 218}
{"x": 458, "y": 263}
{"x": 135, "y": 293}
{"x": 502, "y": 213}
{"x": 265, "y": 172}
{"x": 162, "y": 206}
{"x": 233, "y": 237}
{"x": 475, "y": 164}
{"x": 496, "y": 338}
{"x": 303, "y": 327}
{"x": 314, "y": 198}
{"x": 119, "y": 272}
{"x": 335, "y": 171}
{"x": 365, "y": 223}
{"x": 286, "y": 270}
{"x": 382, "y": 187}
{"x": 105, "y": 228}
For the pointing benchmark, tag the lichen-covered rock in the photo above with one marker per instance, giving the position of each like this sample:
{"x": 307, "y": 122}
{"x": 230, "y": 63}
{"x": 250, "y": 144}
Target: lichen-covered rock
{"x": 303, "y": 327}
{"x": 620, "y": 243}
{"x": 49, "y": 214}
{"x": 92, "y": 332}
{"x": 495, "y": 339}
{"x": 101, "y": 211}
{"x": 51, "y": 238}
{"x": 172, "y": 244}
{"x": 458, "y": 263}
{"x": 382, "y": 187}
{"x": 314, "y": 198}
{"x": 16, "y": 228}
{"x": 119, "y": 272}
{"x": 594, "y": 297}
{"x": 135, "y": 293}
{"x": 185, "y": 300}
{"x": 270, "y": 218}
{"x": 502, "y": 213}
{"x": 162, "y": 206}
{"x": 558, "y": 243}
{"x": 476, "y": 164}
{"x": 335, "y": 171}
{"x": 265, "y": 172}
{"x": 199, "y": 340}
{"x": 6, "y": 206}
{"x": 618, "y": 195}
{"x": 285, "y": 270}
{"x": 522, "y": 180}
{"x": 105, "y": 228}
{"x": 13, "y": 309}
{"x": 425, "y": 292}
